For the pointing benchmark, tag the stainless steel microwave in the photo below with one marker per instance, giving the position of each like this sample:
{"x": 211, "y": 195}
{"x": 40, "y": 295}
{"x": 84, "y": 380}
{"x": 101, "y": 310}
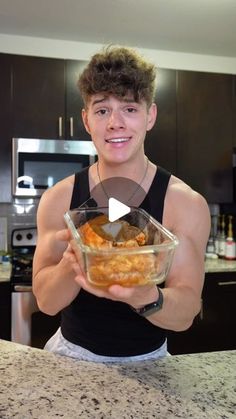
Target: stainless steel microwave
{"x": 38, "y": 164}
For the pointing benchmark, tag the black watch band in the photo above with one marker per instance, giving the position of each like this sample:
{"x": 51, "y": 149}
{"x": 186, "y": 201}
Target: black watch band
{"x": 152, "y": 307}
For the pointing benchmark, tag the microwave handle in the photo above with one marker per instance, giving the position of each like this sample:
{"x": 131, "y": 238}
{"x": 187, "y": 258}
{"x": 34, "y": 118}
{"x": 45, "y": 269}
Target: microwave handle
{"x": 71, "y": 127}
{"x": 60, "y": 126}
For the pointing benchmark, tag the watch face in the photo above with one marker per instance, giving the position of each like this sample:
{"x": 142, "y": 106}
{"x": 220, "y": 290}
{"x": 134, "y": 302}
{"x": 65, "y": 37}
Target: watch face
{"x": 151, "y": 308}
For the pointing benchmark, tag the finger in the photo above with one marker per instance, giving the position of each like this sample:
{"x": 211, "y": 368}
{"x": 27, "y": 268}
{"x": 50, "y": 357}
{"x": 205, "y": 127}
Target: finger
{"x": 121, "y": 293}
{"x": 63, "y": 235}
{"x": 77, "y": 268}
{"x": 69, "y": 256}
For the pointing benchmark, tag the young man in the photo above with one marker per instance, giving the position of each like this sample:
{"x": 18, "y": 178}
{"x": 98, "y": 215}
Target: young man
{"x": 100, "y": 324}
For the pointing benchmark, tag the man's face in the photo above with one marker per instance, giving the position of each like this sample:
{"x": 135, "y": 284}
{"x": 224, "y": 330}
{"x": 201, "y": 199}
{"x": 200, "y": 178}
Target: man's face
{"x": 118, "y": 126}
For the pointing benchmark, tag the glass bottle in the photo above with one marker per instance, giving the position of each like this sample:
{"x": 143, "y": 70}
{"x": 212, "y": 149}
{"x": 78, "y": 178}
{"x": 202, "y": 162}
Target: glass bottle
{"x": 217, "y": 236}
{"x": 211, "y": 243}
{"x": 222, "y": 239}
{"x": 230, "y": 248}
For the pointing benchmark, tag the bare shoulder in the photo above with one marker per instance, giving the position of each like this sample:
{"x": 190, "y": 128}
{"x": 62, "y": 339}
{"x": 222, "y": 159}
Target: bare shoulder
{"x": 185, "y": 208}
{"x": 54, "y": 203}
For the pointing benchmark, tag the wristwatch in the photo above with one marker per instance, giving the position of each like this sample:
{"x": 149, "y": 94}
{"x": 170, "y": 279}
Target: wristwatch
{"x": 152, "y": 307}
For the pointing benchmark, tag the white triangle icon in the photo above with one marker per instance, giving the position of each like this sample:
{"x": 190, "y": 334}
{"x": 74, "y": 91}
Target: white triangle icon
{"x": 116, "y": 209}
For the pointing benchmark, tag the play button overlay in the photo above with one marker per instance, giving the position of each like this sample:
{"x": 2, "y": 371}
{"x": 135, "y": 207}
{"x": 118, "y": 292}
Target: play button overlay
{"x": 124, "y": 190}
{"x": 116, "y": 209}
{"x": 115, "y": 201}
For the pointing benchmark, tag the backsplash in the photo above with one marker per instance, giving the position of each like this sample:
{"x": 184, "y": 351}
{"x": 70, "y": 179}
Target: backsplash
{"x": 19, "y": 214}
{"x": 22, "y": 213}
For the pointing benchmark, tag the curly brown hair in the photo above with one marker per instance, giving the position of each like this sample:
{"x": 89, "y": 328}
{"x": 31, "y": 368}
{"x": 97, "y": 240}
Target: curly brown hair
{"x": 118, "y": 71}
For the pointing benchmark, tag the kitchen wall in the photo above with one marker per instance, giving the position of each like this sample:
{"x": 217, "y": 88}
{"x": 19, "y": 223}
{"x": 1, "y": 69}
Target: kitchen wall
{"x": 82, "y": 51}
{"x": 19, "y": 214}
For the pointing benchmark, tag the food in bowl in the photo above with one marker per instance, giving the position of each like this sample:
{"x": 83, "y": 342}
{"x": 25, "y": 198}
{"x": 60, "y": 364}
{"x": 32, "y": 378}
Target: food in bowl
{"x": 97, "y": 234}
{"x": 134, "y": 250}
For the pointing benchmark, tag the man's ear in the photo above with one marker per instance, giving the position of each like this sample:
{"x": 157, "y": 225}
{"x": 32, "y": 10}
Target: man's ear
{"x": 152, "y": 116}
{"x": 85, "y": 120}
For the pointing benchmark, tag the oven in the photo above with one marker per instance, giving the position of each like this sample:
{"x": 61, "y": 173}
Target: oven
{"x": 29, "y": 326}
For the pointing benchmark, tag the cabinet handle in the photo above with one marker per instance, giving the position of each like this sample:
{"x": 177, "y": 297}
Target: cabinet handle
{"x": 227, "y": 283}
{"x": 23, "y": 288}
{"x": 71, "y": 127}
{"x": 60, "y": 126}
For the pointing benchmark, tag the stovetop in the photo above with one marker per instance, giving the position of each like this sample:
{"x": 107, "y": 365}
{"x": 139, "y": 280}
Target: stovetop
{"x": 23, "y": 243}
{"x": 24, "y": 238}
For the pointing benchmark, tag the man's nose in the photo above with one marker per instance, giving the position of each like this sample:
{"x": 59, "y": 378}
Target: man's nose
{"x": 116, "y": 120}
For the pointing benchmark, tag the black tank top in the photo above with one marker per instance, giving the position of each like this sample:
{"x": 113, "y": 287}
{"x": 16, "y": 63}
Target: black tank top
{"x": 107, "y": 327}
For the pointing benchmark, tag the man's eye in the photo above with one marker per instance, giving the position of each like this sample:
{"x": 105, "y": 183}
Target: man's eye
{"x": 101, "y": 112}
{"x": 131, "y": 110}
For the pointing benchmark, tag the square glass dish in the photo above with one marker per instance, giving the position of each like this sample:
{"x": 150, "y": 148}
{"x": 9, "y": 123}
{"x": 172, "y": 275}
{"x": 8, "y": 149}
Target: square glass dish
{"x": 134, "y": 250}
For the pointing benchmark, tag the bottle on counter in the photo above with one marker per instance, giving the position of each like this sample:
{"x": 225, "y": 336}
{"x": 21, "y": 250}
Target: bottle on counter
{"x": 217, "y": 236}
{"x": 210, "y": 250}
{"x": 230, "y": 246}
{"x": 6, "y": 262}
{"x": 222, "y": 238}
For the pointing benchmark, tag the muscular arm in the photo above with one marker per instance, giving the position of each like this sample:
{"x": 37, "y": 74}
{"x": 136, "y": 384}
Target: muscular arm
{"x": 183, "y": 288}
{"x": 53, "y": 276}
{"x": 186, "y": 214}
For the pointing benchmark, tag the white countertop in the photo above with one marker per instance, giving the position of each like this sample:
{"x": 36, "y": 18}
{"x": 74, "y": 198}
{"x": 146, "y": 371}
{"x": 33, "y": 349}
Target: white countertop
{"x": 5, "y": 272}
{"x": 220, "y": 265}
{"x": 211, "y": 265}
{"x": 37, "y": 384}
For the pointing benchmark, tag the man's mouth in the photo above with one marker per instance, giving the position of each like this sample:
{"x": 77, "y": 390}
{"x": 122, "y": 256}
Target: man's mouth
{"x": 117, "y": 140}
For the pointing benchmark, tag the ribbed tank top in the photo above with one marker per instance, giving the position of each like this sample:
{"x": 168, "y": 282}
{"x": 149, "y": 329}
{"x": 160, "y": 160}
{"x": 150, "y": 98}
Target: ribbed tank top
{"x": 107, "y": 327}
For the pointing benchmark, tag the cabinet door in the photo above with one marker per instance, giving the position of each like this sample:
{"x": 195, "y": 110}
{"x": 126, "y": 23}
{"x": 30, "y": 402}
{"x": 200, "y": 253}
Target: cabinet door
{"x": 234, "y": 111}
{"x": 74, "y": 104}
{"x": 204, "y": 133}
{"x": 188, "y": 341}
{"x": 38, "y": 96}
{"x": 214, "y": 328}
{"x": 219, "y": 311}
{"x": 160, "y": 144}
{"x": 5, "y": 128}
{"x": 5, "y": 311}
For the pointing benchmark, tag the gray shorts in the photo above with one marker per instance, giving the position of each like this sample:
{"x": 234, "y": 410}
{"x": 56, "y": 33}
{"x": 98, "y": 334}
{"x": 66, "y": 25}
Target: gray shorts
{"x": 58, "y": 344}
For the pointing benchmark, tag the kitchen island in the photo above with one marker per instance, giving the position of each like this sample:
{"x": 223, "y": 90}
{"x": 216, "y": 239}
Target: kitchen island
{"x": 40, "y": 385}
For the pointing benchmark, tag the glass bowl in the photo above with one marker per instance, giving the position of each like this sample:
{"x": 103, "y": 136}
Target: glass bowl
{"x": 134, "y": 250}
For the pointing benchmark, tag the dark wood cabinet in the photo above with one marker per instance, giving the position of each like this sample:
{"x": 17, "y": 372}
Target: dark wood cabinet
{"x": 38, "y": 96}
{"x": 46, "y": 99}
{"x": 214, "y": 328}
{"x": 193, "y": 136}
{"x": 5, "y": 311}
{"x": 74, "y": 103}
{"x": 234, "y": 111}
{"x": 5, "y": 128}
{"x": 160, "y": 143}
{"x": 39, "y": 99}
{"x": 204, "y": 133}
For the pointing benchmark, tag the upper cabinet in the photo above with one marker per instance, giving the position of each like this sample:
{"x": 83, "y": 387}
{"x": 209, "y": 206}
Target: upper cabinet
{"x": 234, "y": 111}
{"x": 38, "y": 96}
{"x": 5, "y": 128}
{"x": 46, "y": 100}
{"x": 204, "y": 133}
{"x": 74, "y": 103}
{"x": 160, "y": 143}
{"x": 39, "y": 99}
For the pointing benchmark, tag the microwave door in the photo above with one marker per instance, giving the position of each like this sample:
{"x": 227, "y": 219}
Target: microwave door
{"x": 34, "y": 172}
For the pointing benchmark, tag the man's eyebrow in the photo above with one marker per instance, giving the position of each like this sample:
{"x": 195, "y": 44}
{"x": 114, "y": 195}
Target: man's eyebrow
{"x": 104, "y": 99}
{"x": 96, "y": 101}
